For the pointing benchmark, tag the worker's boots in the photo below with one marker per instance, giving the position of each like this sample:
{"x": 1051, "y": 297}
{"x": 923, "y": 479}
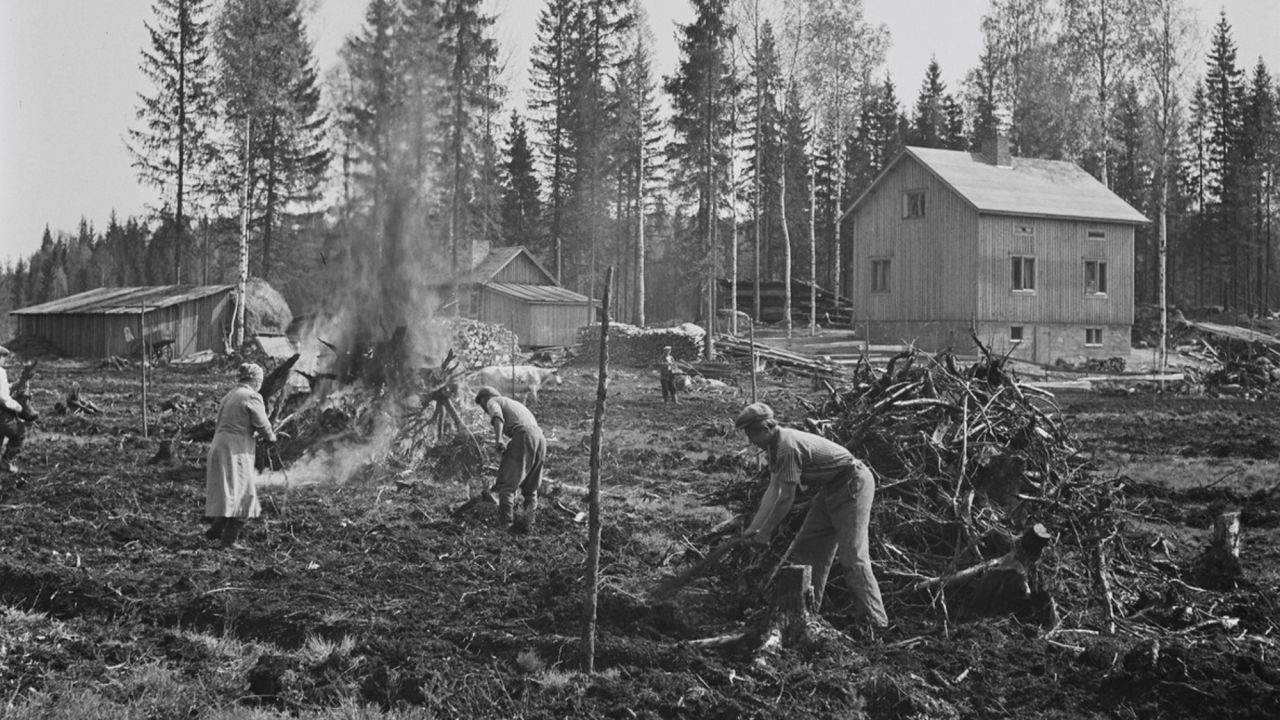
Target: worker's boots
{"x": 528, "y": 518}
{"x": 506, "y": 510}
{"x": 6, "y": 461}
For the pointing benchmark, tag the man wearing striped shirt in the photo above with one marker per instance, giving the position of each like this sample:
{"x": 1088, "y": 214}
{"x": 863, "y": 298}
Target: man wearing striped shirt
{"x": 838, "y": 517}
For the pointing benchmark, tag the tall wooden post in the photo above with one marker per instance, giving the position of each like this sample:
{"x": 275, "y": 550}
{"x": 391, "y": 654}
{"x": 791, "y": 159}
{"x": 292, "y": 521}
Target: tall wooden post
{"x": 592, "y": 598}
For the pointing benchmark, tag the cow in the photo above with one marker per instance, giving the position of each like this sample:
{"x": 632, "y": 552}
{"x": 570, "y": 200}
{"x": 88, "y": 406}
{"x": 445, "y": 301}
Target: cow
{"x": 512, "y": 379}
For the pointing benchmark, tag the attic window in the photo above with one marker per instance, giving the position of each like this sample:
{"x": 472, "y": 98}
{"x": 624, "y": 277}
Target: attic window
{"x": 1024, "y": 230}
{"x": 912, "y": 204}
{"x": 1097, "y": 234}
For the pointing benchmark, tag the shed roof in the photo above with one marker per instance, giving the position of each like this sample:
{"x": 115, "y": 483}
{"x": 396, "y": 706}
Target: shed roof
{"x": 122, "y": 300}
{"x": 1032, "y": 187}
{"x": 498, "y": 258}
{"x": 549, "y": 294}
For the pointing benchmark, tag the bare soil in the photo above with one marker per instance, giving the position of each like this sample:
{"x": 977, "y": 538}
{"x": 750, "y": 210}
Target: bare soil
{"x": 465, "y": 619}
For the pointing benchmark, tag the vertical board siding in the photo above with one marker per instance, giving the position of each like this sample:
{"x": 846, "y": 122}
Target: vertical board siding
{"x": 932, "y": 260}
{"x": 195, "y": 326}
{"x": 952, "y": 269}
{"x": 1060, "y": 248}
{"x": 521, "y": 270}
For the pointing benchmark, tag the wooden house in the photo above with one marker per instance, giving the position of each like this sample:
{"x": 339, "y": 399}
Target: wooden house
{"x": 176, "y": 320}
{"x": 509, "y": 287}
{"x": 1036, "y": 255}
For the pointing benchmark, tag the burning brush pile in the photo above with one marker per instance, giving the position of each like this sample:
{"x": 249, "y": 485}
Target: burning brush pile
{"x": 381, "y": 409}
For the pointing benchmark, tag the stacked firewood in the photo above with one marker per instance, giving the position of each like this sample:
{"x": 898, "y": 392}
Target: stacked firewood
{"x": 480, "y": 344}
{"x": 640, "y": 347}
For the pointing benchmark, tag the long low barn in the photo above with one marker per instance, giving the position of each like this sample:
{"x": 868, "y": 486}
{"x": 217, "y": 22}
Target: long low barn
{"x": 108, "y": 321}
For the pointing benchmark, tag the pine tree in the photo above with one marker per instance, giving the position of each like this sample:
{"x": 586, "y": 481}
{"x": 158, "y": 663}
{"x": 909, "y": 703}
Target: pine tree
{"x": 639, "y": 174}
{"x": 764, "y": 127}
{"x": 468, "y": 52}
{"x": 173, "y": 148}
{"x": 553, "y": 108}
{"x": 701, "y": 91}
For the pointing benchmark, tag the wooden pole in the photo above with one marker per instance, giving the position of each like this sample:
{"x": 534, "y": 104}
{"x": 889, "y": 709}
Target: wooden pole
{"x": 142, "y": 342}
{"x": 752, "y": 325}
{"x": 592, "y": 598}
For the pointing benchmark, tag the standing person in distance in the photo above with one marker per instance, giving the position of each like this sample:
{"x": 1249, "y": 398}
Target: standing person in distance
{"x": 231, "y": 494}
{"x": 523, "y": 452}
{"x": 667, "y": 371}
{"x": 839, "y": 516}
{"x": 13, "y": 418}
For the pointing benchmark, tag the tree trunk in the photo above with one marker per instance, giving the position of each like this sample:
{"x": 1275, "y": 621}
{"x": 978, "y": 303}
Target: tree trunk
{"x": 786, "y": 252}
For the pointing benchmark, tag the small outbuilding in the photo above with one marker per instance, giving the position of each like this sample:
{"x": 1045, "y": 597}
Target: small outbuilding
{"x": 510, "y": 287}
{"x": 176, "y": 320}
{"x": 1036, "y": 256}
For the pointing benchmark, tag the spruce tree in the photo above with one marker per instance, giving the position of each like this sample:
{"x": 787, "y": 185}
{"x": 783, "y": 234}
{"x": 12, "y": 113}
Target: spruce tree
{"x": 521, "y": 200}
{"x": 173, "y": 147}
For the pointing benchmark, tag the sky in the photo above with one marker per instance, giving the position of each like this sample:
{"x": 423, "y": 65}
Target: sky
{"x": 69, "y": 85}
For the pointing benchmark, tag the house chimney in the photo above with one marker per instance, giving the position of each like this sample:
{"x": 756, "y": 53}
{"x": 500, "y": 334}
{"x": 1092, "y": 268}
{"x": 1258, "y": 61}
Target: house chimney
{"x": 996, "y": 149}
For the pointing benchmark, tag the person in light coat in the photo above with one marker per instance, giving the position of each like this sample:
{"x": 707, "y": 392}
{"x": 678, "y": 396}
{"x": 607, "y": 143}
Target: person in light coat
{"x": 13, "y": 419}
{"x": 231, "y": 495}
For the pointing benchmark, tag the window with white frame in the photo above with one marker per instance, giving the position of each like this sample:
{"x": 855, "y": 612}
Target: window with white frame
{"x": 879, "y": 276}
{"x": 1093, "y": 337}
{"x": 1023, "y": 273}
{"x": 912, "y": 204}
{"x": 1015, "y": 334}
{"x": 1095, "y": 277}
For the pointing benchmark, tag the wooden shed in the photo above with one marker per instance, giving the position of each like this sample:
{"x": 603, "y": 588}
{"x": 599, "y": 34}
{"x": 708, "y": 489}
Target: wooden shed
{"x": 509, "y": 287}
{"x": 1036, "y": 255}
{"x": 110, "y": 321}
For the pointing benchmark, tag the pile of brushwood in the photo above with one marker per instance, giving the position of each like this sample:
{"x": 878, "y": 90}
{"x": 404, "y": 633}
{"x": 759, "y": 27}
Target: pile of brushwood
{"x": 983, "y": 505}
{"x": 1242, "y": 368}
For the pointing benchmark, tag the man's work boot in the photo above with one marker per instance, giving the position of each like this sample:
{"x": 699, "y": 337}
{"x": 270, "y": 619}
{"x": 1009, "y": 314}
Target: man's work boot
{"x": 506, "y": 510}
{"x": 528, "y": 517}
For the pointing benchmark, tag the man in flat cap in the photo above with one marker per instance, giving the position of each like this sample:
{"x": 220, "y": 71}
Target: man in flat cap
{"x": 523, "y": 452}
{"x": 838, "y": 517}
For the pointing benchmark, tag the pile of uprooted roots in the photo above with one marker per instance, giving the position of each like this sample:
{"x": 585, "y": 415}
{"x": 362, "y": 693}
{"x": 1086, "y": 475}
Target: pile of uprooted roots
{"x": 967, "y": 462}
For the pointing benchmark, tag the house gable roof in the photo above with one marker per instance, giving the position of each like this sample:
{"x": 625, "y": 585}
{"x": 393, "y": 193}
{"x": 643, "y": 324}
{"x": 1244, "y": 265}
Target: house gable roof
{"x": 1030, "y": 187}
{"x": 122, "y": 300}
{"x": 498, "y": 258}
{"x": 539, "y": 294}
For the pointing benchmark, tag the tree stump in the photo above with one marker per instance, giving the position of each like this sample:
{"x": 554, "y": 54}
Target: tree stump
{"x": 1218, "y": 567}
{"x": 997, "y": 587}
{"x": 790, "y": 621}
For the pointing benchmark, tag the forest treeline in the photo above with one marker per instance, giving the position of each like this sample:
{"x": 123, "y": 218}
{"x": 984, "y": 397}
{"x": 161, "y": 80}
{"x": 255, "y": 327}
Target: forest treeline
{"x": 408, "y": 158}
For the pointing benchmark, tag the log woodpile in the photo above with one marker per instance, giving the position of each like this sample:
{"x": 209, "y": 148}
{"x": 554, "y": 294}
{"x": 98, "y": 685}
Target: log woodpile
{"x": 632, "y": 346}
